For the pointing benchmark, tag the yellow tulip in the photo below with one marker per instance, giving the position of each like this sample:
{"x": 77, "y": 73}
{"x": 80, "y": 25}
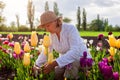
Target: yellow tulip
{"x": 45, "y": 50}
{"x": 112, "y": 41}
{"x": 27, "y": 47}
{"x": 26, "y": 59}
{"x": 10, "y": 36}
{"x": 46, "y": 41}
{"x": 118, "y": 43}
{"x": 50, "y": 58}
{"x": 34, "y": 39}
{"x": 112, "y": 51}
{"x": 65, "y": 78}
{"x": 17, "y": 48}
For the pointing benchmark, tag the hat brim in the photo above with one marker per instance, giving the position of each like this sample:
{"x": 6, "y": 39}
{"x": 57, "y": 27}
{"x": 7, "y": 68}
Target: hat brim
{"x": 42, "y": 25}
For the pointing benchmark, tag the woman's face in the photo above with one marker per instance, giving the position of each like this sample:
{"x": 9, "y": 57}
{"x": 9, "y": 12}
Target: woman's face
{"x": 51, "y": 27}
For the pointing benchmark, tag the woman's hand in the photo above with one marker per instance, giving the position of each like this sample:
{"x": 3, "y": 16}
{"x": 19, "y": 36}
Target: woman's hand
{"x": 49, "y": 67}
{"x": 36, "y": 70}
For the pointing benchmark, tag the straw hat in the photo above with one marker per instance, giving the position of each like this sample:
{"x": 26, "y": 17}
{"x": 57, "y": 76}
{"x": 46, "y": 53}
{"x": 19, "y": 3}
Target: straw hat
{"x": 47, "y": 17}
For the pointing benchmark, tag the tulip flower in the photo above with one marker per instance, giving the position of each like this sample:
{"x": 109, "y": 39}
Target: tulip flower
{"x": 10, "y": 36}
{"x": 26, "y": 59}
{"x": 27, "y": 47}
{"x": 50, "y": 58}
{"x": 34, "y": 39}
{"x": 91, "y": 42}
{"x": 17, "y": 48}
{"x": 110, "y": 58}
{"x": 112, "y": 41}
{"x": 46, "y": 44}
{"x": 15, "y": 55}
{"x": 118, "y": 43}
{"x": 100, "y": 36}
{"x": 110, "y": 33}
{"x": 11, "y": 44}
{"x": 6, "y": 42}
{"x": 116, "y": 76}
{"x": 112, "y": 51}
{"x": 105, "y": 69}
{"x": 84, "y": 61}
{"x": 46, "y": 41}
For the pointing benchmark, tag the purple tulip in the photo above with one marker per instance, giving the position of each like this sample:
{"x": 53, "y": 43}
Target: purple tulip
{"x": 99, "y": 44}
{"x": 116, "y": 76}
{"x": 100, "y": 36}
{"x": 110, "y": 33}
{"x": 11, "y": 44}
{"x": 107, "y": 72}
{"x": 4, "y": 50}
{"x": 83, "y": 62}
{"x": 101, "y": 66}
{"x": 85, "y": 54}
{"x": 15, "y": 55}
{"x": 18, "y": 56}
{"x": 105, "y": 60}
{"x": 105, "y": 69}
{"x": 21, "y": 54}
{"x": 89, "y": 62}
{"x": 6, "y": 42}
{"x": 22, "y": 44}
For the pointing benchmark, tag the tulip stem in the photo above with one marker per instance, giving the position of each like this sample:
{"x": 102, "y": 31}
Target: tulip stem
{"x": 46, "y": 53}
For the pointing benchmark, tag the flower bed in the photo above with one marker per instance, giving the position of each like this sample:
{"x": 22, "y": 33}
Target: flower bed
{"x": 19, "y": 52}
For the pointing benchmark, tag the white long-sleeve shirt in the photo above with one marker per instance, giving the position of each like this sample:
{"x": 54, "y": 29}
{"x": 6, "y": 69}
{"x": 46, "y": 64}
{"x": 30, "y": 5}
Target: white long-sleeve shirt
{"x": 70, "y": 46}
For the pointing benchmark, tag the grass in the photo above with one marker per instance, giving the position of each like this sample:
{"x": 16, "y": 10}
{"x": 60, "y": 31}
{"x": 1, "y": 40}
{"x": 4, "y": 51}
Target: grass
{"x": 91, "y": 33}
{"x": 82, "y": 33}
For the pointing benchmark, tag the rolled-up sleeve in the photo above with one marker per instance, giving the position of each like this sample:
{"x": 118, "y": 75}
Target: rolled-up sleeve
{"x": 41, "y": 59}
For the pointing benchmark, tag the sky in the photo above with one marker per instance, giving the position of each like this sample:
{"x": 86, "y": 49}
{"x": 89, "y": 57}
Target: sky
{"x": 105, "y": 8}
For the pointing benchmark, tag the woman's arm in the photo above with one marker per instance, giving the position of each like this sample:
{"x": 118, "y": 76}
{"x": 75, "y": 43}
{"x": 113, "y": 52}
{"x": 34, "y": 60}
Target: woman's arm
{"x": 77, "y": 47}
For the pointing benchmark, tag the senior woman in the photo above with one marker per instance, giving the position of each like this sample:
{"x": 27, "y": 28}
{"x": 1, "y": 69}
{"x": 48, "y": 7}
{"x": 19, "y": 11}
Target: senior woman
{"x": 65, "y": 39}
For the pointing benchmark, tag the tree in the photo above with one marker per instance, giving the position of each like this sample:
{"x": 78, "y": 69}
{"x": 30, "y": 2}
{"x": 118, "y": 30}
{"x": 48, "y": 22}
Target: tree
{"x": 100, "y": 23}
{"x": 116, "y": 28}
{"x": 30, "y": 13}
{"x": 12, "y": 27}
{"x": 18, "y": 20}
{"x": 2, "y": 6}
{"x": 56, "y": 9}
{"x": 67, "y": 20}
{"x": 46, "y": 6}
{"x": 106, "y": 24}
{"x": 95, "y": 26}
{"x": 84, "y": 19}
{"x": 78, "y": 19}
